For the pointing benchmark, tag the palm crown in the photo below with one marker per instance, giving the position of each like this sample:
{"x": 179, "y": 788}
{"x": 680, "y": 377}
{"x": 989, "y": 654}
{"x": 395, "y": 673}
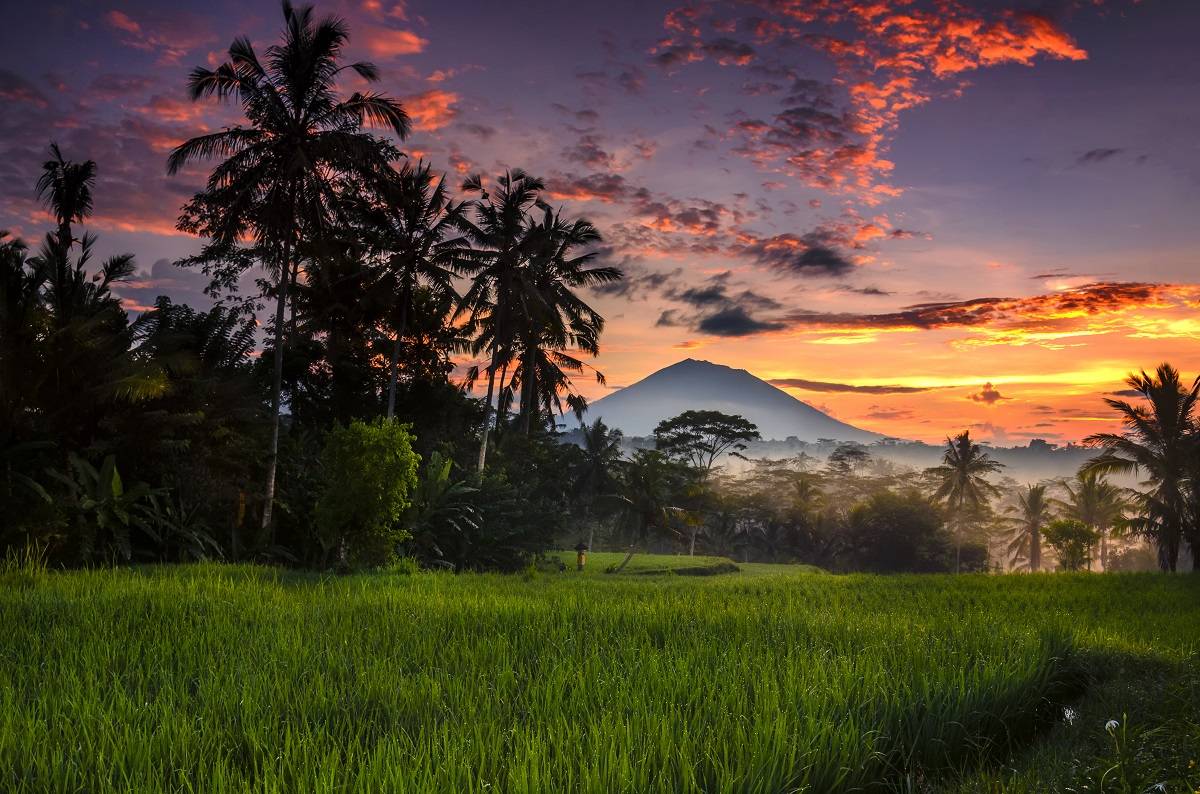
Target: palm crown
{"x": 1159, "y": 442}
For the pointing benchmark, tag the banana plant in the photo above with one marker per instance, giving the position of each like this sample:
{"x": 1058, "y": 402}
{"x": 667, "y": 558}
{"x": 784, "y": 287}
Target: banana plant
{"x": 181, "y": 528}
{"x": 440, "y": 510}
{"x": 102, "y": 512}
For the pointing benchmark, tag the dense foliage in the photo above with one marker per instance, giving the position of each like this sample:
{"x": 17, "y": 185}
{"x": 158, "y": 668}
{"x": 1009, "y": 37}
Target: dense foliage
{"x": 168, "y": 437}
{"x": 368, "y": 472}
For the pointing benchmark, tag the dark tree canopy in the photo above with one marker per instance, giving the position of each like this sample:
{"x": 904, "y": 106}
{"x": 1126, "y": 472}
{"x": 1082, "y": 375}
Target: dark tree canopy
{"x": 899, "y": 532}
{"x": 700, "y": 437}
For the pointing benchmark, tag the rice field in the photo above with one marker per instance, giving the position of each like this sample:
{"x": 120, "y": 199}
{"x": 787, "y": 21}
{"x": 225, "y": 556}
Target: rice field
{"x": 237, "y": 678}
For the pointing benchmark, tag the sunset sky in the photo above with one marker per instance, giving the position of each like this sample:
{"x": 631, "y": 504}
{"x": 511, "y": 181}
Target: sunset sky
{"x": 916, "y": 216}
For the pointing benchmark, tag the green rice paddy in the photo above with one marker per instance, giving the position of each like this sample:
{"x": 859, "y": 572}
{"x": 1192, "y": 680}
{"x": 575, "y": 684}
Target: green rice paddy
{"x": 767, "y": 679}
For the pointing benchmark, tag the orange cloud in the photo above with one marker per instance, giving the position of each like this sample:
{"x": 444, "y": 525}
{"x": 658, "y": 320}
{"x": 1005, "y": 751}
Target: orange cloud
{"x": 1045, "y": 320}
{"x": 122, "y": 21}
{"x": 431, "y": 110}
{"x": 890, "y": 57}
{"x": 170, "y": 33}
{"x": 173, "y": 110}
{"x": 397, "y": 10}
{"x": 391, "y": 42}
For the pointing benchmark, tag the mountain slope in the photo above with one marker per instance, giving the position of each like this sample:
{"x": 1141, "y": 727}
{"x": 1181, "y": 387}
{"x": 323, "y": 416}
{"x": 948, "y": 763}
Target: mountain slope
{"x": 702, "y": 385}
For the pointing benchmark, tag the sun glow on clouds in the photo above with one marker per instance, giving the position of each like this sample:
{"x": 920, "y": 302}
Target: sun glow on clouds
{"x": 431, "y": 110}
{"x": 899, "y": 56}
{"x": 387, "y": 43}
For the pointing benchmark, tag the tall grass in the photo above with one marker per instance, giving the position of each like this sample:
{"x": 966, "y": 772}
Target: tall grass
{"x": 223, "y": 679}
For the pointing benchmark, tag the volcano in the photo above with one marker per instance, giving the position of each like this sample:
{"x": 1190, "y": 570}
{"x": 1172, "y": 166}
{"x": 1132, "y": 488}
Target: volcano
{"x": 703, "y": 385}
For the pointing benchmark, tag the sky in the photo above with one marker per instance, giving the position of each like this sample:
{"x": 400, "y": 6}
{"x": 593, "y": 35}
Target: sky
{"x": 916, "y": 216}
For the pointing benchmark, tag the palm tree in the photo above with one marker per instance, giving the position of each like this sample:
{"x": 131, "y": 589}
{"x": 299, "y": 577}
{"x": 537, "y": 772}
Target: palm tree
{"x": 1159, "y": 441}
{"x": 1034, "y": 511}
{"x": 413, "y": 223}
{"x": 282, "y": 171}
{"x": 964, "y": 484}
{"x": 499, "y": 237}
{"x": 650, "y": 484}
{"x": 340, "y": 302}
{"x": 66, "y": 189}
{"x": 594, "y": 475}
{"x": 1097, "y": 503}
{"x": 90, "y": 336}
{"x": 553, "y": 318}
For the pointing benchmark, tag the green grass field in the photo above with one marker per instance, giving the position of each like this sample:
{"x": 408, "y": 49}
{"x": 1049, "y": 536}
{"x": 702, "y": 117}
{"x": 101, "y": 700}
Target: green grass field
{"x": 768, "y": 679}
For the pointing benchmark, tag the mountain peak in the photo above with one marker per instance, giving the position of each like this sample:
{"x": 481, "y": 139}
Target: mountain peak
{"x": 696, "y": 384}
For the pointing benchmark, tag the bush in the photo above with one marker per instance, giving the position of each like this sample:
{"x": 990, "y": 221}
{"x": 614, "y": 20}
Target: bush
{"x": 891, "y": 533}
{"x": 404, "y": 566}
{"x": 369, "y": 472}
{"x": 1138, "y": 557}
{"x": 1073, "y": 540}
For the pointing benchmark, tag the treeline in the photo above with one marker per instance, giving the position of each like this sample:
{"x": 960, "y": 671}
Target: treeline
{"x": 853, "y": 512}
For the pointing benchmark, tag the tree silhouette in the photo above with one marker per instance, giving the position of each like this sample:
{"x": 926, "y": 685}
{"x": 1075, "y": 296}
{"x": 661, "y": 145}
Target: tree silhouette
{"x": 1034, "y": 509}
{"x": 964, "y": 485}
{"x": 1097, "y": 503}
{"x": 281, "y": 172}
{"x": 66, "y": 189}
{"x": 498, "y": 236}
{"x": 699, "y": 438}
{"x": 595, "y": 474}
{"x": 1159, "y": 442}
{"x": 413, "y": 224}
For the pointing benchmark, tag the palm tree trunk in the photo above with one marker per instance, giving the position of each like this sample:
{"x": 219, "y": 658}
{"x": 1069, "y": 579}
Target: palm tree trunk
{"x": 1035, "y": 550}
{"x": 395, "y": 362}
{"x": 958, "y": 537}
{"x": 276, "y": 387}
{"x": 1103, "y": 548}
{"x": 295, "y": 274}
{"x": 692, "y": 542}
{"x": 64, "y": 236}
{"x": 628, "y": 556}
{"x": 501, "y": 406}
{"x": 487, "y": 409}
{"x": 527, "y": 400}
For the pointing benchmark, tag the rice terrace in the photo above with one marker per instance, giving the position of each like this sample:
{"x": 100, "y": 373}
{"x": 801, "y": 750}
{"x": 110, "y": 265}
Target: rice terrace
{"x": 212, "y": 678}
{"x": 656, "y": 397}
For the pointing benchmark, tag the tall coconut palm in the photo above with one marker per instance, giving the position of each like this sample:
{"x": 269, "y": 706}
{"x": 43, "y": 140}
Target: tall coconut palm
{"x": 554, "y": 319}
{"x": 1159, "y": 443}
{"x": 414, "y": 223}
{"x": 498, "y": 234}
{"x": 281, "y": 171}
{"x": 596, "y": 473}
{"x": 964, "y": 486}
{"x": 1034, "y": 511}
{"x": 1097, "y": 503}
{"x": 84, "y": 361}
{"x": 66, "y": 189}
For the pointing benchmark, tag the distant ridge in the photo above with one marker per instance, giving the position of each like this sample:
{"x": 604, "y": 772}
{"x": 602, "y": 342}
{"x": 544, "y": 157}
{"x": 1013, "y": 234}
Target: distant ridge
{"x": 702, "y": 385}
